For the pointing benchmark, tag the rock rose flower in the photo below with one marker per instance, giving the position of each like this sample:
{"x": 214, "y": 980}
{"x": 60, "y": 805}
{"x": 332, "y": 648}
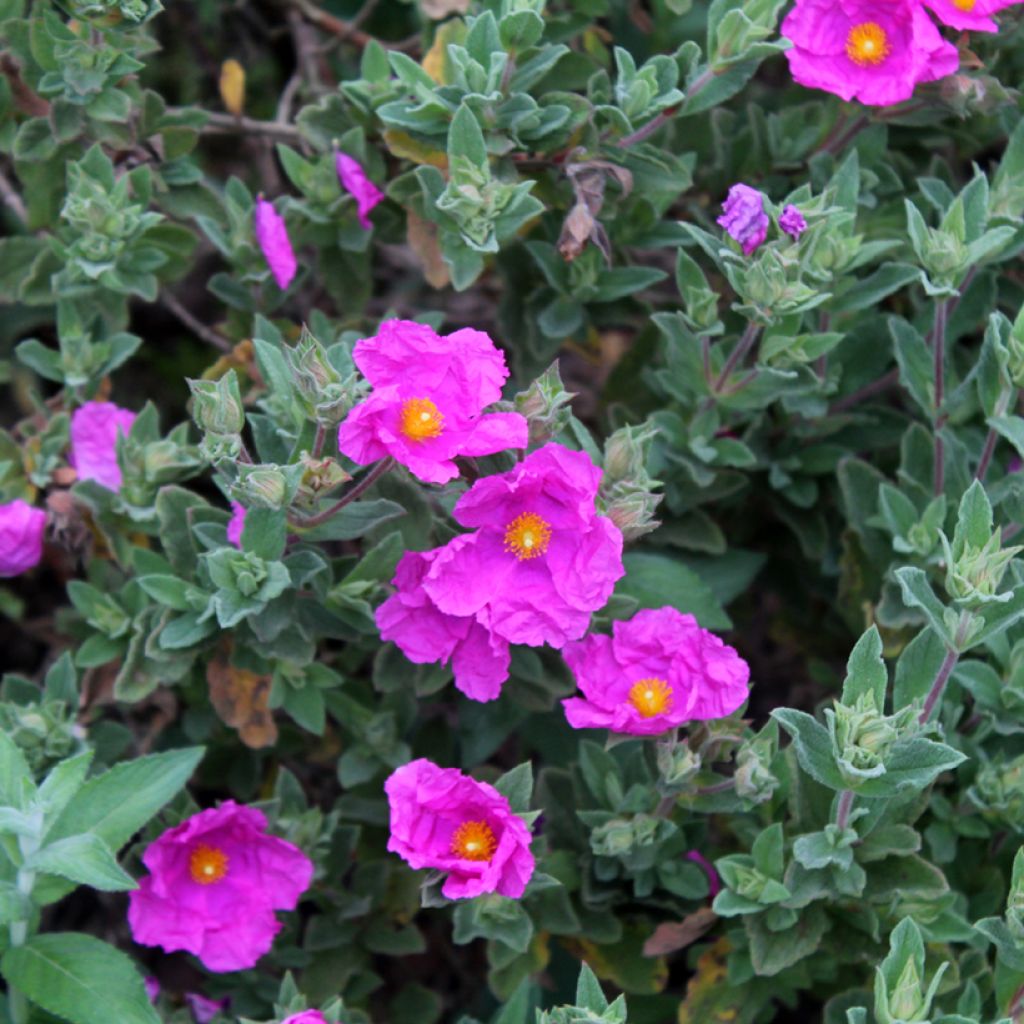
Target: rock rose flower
{"x": 354, "y": 180}
{"x": 792, "y": 222}
{"x": 21, "y": 537}
{"x": 306, "y": 1017}
{"x": 969, "y": 15}
{"x": 236, "y": 524}
{"x": 428, "y": 395}
{"x": 425, "y": 634}
{"x": 445, "y": 820}
{"x": 215, "y": 881}
{"x": 540, "y": 560}
{"x": 744, "y": 218}
{"x": 272, "y": 238}
{"x": 875, "y": 51}
{"x": 656, "y": 671}
{"x": 95, "y": 427}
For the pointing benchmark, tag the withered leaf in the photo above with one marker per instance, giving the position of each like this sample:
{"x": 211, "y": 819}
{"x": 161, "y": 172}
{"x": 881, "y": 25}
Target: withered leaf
{"x": 675, "y": 935}
{"x": 240, "y": 699}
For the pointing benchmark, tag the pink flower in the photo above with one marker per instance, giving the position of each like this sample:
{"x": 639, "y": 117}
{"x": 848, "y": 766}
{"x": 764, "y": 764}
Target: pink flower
{"x": 95, "y": 428}
{"x": 424, "y": 634}
{"x": 658, "y": 670}
{"x": 153, "y": 988}
{"x": 354, "y": 181}
{"x": 236, "y": 524}
{"x": 445, "y": 820}
{"x": 714, "y": 883}
{"x": 272, "y": 236}
{"x": 203, "y": 1009}
{"x": 792, "y": 222}
{"x": 744, "y": 218}
{"x": 541, "y": 558}
{"x": 428, "y": 395}
{"x": 873, "y": 50}
{"x": 21, "y": 537}
{"x": 215, "y": 881}
{"x": 306, "y": 1017}
{"x": 971, "y": 15}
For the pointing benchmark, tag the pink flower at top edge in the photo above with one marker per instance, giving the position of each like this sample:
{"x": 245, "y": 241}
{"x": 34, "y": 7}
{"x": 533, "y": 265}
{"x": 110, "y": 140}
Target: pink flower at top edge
{"x": 306, "y": 1017}
{"x": 744, "y": 218}
{"x": 875, "y": 51}
{"x": 95, "y": 428}
{"x": 443, "y": 819}
{"x": 236, "y": 524}
{"x": 203, "y": 1009}
{"x": 656, "y": 671}
{"x": 424, "y": 634}
{"x": 272, "y": 237}
{"x": 354, "y": 180}
{"x": 792, "y": 222}
{"x": 427, "y": 403}
{"x": 21, "y": 537}
{"x": 215, "y": 881}
{"x": 541, "y": 559}
{"x": 969, "y": 15}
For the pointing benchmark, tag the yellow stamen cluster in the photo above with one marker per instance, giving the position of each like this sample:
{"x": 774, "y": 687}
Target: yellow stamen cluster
{"x": 207, "y": 864}
{"x": 965, "y": 5}
{"x": 651, "y": 697}
{"x": 474, "y": 840}
{"x": 527, "y": 536}
{"x": 867, "y": 44}
{"x": 421, "y": 419}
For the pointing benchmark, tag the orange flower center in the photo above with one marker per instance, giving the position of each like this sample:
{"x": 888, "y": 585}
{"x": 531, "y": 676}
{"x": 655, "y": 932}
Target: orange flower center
{"x": 651, "y": 697}
{"x": 867, "y": 44}
{"x": 207, "y": 864}
{"x": 474, "y": 840}
{"x": 421, "y": 419}
{"x": 965, "y": 5}
{"x": 527, "y": 536}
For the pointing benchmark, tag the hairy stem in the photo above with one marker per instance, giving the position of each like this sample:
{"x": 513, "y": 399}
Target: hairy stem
{"x": 844, "y": 807}
{"x": 308, "y": 522}
{"x": 939, "y": 353}
{"x": 743, "y": 346}
{"x": 939, "y": 686}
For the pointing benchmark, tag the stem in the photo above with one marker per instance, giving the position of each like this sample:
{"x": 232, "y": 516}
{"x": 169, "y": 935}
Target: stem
{"x": 939, "y": 353}
{"x": 651, "y": 127}
{"x": 869, "y": 390}
{"x": 308, "y": 522}
{"x": 986, "y": 456}
{"x": 199, "y": 329}
{"x": 939, "y": 686}
{"x": 218, "y": 123}
{"x": 843, "y": 132}
{"x": 320, "y": 440}
{"x": 844, "y": 807}
{"x": 743, "y": 346}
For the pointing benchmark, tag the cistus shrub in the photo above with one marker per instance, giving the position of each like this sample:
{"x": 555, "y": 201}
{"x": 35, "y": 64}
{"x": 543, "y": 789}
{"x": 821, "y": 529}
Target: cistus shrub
{"x": 509, "y": 511}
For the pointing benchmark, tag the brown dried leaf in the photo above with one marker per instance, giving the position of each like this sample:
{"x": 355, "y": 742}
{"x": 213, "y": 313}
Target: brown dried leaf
{"x": 576, "y": 231}
{"x": 232, "y": 86}
{"x": 438, "y": 9}
{"x": 675, "y": 935}
{"x": 422, "y": 237}
{"x": 240, "y": 699}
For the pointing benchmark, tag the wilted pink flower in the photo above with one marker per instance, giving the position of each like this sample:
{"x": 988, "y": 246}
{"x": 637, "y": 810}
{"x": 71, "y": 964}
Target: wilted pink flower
{"x": 658, "y": 670}
{"x": 792, "y": 222}
{"x": 424, "y": 634}
{"x": 306, "y": 1017}
{"x": 203, "y": 1009}
{"x": 21, "y": 537}
{"x": 215, "y": 881}
{"x": 744, "y": 218}
{"x": 354, "y": 181}
{"x": 428, "y": 395}
{"x": 875, "y": 51}
{"x": 95, "y": 427}
{"x": 274, "y": 243}
{"x": 541, "y": 559}
{"x": 714, "y": 882}
{"x": 970, "y": 15}
{"x": 236, "y": 524}
{"x": 445, "y": 820}
{"x": 153, "y": 988}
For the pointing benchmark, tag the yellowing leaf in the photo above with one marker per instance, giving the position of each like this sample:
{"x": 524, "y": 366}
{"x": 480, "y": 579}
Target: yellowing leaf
{"x": 710, "y": 999}
{"x": 435, "y": 63}
{"x": 624, "y": 962}
{"x": 241, "y": 699}
{"x": 403, "y": 145}
{"x": 232, "y": 86}
{"x": 422, "y": 237}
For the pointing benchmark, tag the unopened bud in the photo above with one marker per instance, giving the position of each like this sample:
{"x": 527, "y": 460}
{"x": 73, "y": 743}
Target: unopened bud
{"x": 544, "y": 404}
{"x": 217, "y": 405}
{"x": 262, "y": 487}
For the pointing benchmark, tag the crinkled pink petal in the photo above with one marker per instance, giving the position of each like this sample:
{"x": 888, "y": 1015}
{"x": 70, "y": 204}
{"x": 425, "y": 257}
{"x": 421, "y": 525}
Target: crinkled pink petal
{"x": 95, "y": 428}
{"x": 236, "y": 524}
{"x": 496, "y": 432}
{"x": 272, "y": 238}
{"x": 469, "y": 571}
{"x": 744, "y": 217}
{"x": 358, "y": 185}
{"x": 306, "y": 1017}
{"x": 481, "y": 664}
{"x": 791, "y": 220}
{"x": 21, "y": 537}
{"x": 977, "y": 19}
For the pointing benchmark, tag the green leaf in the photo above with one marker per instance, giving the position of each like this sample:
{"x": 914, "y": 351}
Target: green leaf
{"x": 465, "y": 139}
{"x": 167, "y": 590}
{"x": 589, "y": 994}
{"x": 355, "y": 520}
{"x": 813, "y": 746}
{"x": 655, "y": 580}
{"x": 917, "y": 668}
{"x": 918, "y": 593}
{"x": 15, "y": 777}
{"x": 865, "y": 670}
{"x": 911, "y": 766}
{"x": 79, "y": 978}
{"x": 63, "y": 782}
{"x": 517, "y": 786}
{"x": 84, "y": 859}
{"x": 265, "y": 533}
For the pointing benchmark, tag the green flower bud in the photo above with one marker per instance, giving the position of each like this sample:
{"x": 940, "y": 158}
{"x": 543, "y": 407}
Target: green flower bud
{"x": 544, "y": 404}
{"x": 906, "y": 1001}
{"x": 45, "y": 733}
{"x": 220, "y": 447}
{"x": 633, "y": 513}
{"x": 262, "y": 487}
{"x": 677, "y": 767}
{"x": 319, "y": 476}
{"x": 862, "y": 737}
{"x": 998, "y": 791}
{"x": 613, "y": 839}
{"x": 973, "y": 578}
{"x": 311, "y": 370}
{"x": 754, "y": 779}
{"x": 217, "y": 405}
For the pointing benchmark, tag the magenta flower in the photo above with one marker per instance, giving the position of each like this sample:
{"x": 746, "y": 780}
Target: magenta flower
{"x": 969, "y": 15}
{"x": 428, "y": 395}
{"x": 714, "y": 882}
{"x": 445, "y": 820}
{"x": 215, "y": 881}
{"x": 792, "y": 222}
{"x": 541, "y": 559}
{"x": 875, "y": 51}
{"x": 274, "y": 243}
{"x": 358, "y": 185}
{"x": 424, "y": 634}
{"x": 21, "y": 537}
{"x": 744, "y": 218}
{"x": 203, "y": 1009}
{"x": 236, "y": 524}
{"x": 306, "y": 1017}
{"x": 95, "y": 428}
{"x": 658, "y": 670}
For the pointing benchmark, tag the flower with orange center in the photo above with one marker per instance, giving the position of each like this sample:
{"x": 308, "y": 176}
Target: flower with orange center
{"x": 965, "y": 5}
{"x": 527, "y": 536}
{"x": 867, "y": 44}
{"x": 207, "y": 864}
{"x": 651, "y": 697}
{"x": 421, "y": 419}
{"x": 474, "y": 840}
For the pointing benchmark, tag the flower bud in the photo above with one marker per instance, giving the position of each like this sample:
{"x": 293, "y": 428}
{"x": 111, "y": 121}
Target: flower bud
{"x": 754, "y": 779}
{"x": 262, "y": 487}
{"x": 543, "y": 404}
{"x": 217, "y": 405}
{"x": 862, "y": 737}
{"x": 633, "y": 513}
{"x": 319, "y": 476}
{"x": 973, "y": 578}
{"x": 45, "y": 733}
{"x": 312, "y": 371}
{"x": 677, "y": 767}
